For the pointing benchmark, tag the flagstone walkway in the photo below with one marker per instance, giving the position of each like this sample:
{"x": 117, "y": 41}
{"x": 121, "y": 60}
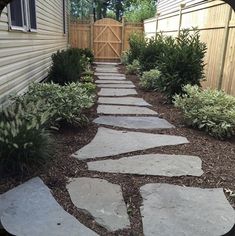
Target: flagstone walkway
{"x": 166, "y": 209}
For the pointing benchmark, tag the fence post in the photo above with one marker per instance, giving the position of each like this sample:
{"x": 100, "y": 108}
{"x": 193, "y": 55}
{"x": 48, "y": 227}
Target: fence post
{"x": 157, "y": 20}
{"x": 182, "y": 6}
{"x": 224, "y": 48}
{"x": 123, "y": 34}
{"x": 92, "y": 32}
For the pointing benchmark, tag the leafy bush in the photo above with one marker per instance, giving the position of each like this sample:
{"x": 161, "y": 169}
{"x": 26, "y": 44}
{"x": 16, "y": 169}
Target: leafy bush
{"x": 25, "y": 144}
{"x": 153, "y": 53}
{"x": 209, "y": 110}
{"x": 182, "y": 62}
{"x": 134, "y": 68}
{"x": 67, "y": 102}
{"x": 149, "y": 79}
{"x": 68, "y": 65}
{"x": 87, "y": 78}
{"x": 137, "y": 44}
{"x": 125, "y": 58}
{"x": 89, "y": 87}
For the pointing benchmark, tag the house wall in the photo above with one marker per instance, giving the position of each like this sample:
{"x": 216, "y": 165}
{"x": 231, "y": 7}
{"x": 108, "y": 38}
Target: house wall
{"x": 216, "y": 22}
{"x": 26, "y": 57}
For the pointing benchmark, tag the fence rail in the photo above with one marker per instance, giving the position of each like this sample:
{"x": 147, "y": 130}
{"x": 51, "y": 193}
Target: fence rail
{"x": 216, "y": 22}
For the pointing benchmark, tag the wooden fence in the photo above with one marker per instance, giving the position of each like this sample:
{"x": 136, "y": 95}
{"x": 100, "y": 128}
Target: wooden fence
{"x": 216, "y": 22}
{"x": 107, "y": 38}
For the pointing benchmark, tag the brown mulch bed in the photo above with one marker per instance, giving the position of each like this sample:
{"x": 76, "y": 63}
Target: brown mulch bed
{"x": 218, "y": 158}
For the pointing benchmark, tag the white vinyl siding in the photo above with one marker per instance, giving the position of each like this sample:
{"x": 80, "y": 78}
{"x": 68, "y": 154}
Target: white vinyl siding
{"x": 25, "y": 57}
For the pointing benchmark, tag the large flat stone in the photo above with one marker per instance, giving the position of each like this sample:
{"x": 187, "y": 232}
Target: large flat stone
{"x": 122, "y": 78}
{"x": 109, "y": 69}
{"x": 103, "y": 200}
{"x": 151, "y": 164}
{"x": 116, "y": 85}
{"x": 30, "y": 209}
{"x": 131, "y": 122}
{"x": 116, "y": 92}
{"x": 132, "y": 101}
{"x": 126, "y": 110}
{"x": 107, "y": 63}
{"x": 107, "y": 81}
{"x": 175, "y": 210}
{"x": 102, "y": 74}
{"x": 108, "y": 142}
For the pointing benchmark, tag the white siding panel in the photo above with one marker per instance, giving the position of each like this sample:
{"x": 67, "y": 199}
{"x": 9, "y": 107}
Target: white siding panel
{"x": 26, "y": 57}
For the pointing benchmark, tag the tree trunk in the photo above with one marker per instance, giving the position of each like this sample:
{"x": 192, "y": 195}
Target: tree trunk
{"x": 3, "y": 3}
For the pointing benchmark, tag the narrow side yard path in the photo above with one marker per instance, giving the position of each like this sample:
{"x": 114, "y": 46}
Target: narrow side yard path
{"x": 130, "y": 173}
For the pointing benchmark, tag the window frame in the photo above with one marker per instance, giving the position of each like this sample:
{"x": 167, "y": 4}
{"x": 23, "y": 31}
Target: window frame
{"x": 64, "y": 5}
{"x": 25, "y": 14}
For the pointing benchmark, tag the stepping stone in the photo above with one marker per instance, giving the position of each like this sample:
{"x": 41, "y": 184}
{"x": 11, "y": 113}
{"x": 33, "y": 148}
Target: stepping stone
{"x": 116, "y": 92}
{"x": 103, "y": 200}
{"x": 107, "y": 70}
{"x": 108, "y": 142}
{"x": 175, "y": 210}
{"x": 132, "y": 101}
{"x": 113, "y": 82}
{"x": 116, "y": 86}
{"x": 30, "y": 209}
{"x": 152, "y": 164}
{"x": 128, "y": 110}
{"x": 107, "y": 63}
{"x": 101, "y": 77}
{"x": 131, "y": 122}
{"x": 109, "y": 74}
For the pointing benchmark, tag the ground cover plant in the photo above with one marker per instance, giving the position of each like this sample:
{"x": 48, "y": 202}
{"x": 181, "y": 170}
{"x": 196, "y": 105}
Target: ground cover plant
{"x": 25, "y": 141}
{"x": 133, "y": 68}
{"x": 209, "y": 110}
{"x": 149, "y": 79}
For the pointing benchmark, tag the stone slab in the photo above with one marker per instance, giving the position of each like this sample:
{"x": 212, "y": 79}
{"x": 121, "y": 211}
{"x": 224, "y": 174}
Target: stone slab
{"x": 109, "y": 74}
{"x": 101, "y": 77}
{"x": 107, "y": 70}
{"x": 132, "y": 101}
{"x": 110, "y": 81}
{"x": 103, "y": 200}
{"x": 125, "y": 110}
{"x": 175, "y": 210}
{"x": 109, "y": 142}
{"x": 107, "y": 63}
{"x": 151, "y": 164}
{"x": 131, "y": 122}
{"x": 116, "y": 85}
{"x": 109, "y": 92}
{"x": 30, "y": 209}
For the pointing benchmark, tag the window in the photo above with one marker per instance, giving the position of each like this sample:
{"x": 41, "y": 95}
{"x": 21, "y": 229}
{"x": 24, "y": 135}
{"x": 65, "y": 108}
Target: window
{"x": 64, "y": 16}
{"x": 22, "y": 14}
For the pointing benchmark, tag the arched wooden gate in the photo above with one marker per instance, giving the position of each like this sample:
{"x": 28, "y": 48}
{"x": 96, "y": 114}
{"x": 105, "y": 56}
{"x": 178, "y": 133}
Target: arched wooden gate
{"x": 107, "y": 39}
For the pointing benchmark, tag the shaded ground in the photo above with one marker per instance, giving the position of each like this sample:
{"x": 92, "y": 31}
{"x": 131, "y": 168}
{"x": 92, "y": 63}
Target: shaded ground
{"x": 218, "y": 159}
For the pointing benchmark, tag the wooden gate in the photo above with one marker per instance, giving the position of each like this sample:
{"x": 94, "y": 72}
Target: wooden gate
{"x": 107, "y": 43}
{"x": 107, "y": 38}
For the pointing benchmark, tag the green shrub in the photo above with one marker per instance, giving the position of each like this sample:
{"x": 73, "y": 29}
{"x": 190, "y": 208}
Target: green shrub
{"x": 137, "y": 43}
{"x": 153, "y": 53}
{"x": 25, "y": 144}
{"x": 134, "y": 68}
{"x": 149, "y": 79}
{"x": 182, "y": 62}
{"x": 67, "y": 102}
{"x": 87, "y": 53}
{"x": 87, "y": 78}
{"x": 89, "y": 87}
{"x": 67, "y": 66}
{"x": 209, "y": 110}
{"x": 125, "y": 58}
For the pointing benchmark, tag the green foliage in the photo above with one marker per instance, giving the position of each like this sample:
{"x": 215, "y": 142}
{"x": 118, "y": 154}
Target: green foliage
{"x": 67, "y": 102}
{"x": 209, "y": 110}
{"x": 87, "y": 78}
{"x": 125, "y": 58}
{"x": 25, "y": 144}
{"x": 68, "y": 65}
{"x": 137, "y": 44}
{"x": 141, "y": 10}
{"x": 134, "y": 68}
{"x": 89, "y": 87}
{"x": 182, "y": 62}
{"x": 153, "y": 52}
{"x": 149, "y": 79}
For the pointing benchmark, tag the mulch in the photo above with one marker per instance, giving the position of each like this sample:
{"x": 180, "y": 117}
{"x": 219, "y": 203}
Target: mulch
{"x": 218, "y": 163}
